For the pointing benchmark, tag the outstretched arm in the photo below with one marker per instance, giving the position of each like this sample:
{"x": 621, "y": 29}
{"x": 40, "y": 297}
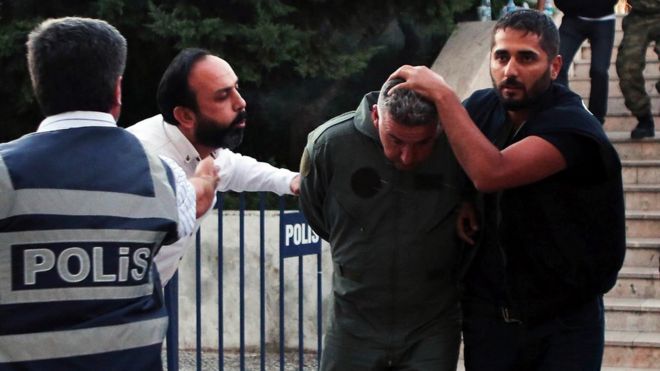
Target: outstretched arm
{"x": 243, "y": 173}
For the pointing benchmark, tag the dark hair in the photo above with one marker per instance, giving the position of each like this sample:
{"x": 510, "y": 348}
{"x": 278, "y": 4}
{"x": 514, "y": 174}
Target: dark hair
{"x": 405, "y": 106}
{"x": 533, "y": 21}
{"x": 74, "y": 64}
{"x": 173, "y": 89}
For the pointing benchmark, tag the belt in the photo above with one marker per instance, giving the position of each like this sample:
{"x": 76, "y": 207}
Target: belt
{"x": 489, "y": 310}
{"x": 534, "y": 312}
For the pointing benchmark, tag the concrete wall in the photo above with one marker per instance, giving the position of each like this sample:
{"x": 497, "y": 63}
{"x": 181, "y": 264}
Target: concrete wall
{"x": 464, "y": 60}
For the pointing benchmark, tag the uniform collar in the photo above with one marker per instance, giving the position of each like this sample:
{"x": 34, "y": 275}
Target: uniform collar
{"x": 363, "y": 121}
{"x": 76, "y": 119}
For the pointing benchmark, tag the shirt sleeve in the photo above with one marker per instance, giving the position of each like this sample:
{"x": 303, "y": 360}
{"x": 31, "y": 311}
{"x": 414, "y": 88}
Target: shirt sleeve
{"x": 580, "y": 153}
{"x": 313, "y": 184}
{"x": 186, "y": 199}
{"x": 240, "y": 173}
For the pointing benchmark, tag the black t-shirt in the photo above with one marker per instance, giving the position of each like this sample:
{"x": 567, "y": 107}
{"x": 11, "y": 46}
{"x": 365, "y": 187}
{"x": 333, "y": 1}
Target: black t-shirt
{"x": 485, "y": 277}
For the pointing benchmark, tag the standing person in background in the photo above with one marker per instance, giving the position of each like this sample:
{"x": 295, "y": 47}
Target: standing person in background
{"x": 83, "y": 210}
{"x": 203, "y": 115}
{"x": 382, "y": 186}
{"x": 592, "y": 20}
{"x": 640, "y": 27}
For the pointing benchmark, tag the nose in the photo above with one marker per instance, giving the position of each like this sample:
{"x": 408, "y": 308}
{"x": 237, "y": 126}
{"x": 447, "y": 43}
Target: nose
{"x": 511, "y": 68}
{"x": 238, "y": 103}
{"x": 407, "y": 155}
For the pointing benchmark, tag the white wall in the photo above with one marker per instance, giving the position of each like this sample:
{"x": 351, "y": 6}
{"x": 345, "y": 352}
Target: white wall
{"x": 231, "y": 316}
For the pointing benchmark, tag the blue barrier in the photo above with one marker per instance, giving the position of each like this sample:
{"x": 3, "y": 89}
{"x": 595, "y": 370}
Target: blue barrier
{"x": 296, "y": 240}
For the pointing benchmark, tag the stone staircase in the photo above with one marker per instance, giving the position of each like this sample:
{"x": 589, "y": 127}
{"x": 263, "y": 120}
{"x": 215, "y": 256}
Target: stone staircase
{"x": 632, "y": 338}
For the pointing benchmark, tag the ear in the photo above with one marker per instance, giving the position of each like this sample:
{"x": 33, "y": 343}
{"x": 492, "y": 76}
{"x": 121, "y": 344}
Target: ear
{"x": 187, "y": 123}
{"x": 374, "y": 115}
{"x": 185, "y": 117}
{"x": 115, "y": 109}
{"x": 555, "y": 67}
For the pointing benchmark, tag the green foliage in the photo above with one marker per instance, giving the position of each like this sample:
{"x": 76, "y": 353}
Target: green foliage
{"x": 300, "y": 62}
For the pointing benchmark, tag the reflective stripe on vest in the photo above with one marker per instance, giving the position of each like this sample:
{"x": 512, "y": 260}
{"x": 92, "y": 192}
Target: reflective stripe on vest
{"x": 37, "y": 261}
{"x": 58, "y": 344}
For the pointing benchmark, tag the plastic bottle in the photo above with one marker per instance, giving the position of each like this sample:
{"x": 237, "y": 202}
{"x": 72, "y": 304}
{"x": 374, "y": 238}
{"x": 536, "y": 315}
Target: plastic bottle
{"x": 549, "y": 8}
{"x": 485, "y": 12}
{"x": 511, "y": 6}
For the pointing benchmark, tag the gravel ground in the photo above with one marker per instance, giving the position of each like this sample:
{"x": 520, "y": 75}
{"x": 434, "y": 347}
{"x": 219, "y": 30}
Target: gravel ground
{"x": 188, "y": 361}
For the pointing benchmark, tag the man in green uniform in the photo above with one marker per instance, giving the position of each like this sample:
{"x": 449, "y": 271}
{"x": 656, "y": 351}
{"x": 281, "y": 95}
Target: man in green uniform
{"x": 382, "y": 186}
{"x": 640, "y": 27}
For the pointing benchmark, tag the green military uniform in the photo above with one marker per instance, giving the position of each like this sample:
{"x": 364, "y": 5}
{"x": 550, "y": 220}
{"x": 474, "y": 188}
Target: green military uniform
{"x": 640, "y": 27}
{"x": 394, "y": 247}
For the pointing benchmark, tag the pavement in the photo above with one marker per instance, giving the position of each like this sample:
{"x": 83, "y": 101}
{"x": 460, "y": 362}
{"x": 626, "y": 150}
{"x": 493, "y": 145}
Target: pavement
{"x": 188, "y": 361}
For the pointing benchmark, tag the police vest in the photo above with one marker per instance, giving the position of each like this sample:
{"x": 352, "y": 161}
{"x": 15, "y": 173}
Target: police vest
{"x": 82, "y": 213}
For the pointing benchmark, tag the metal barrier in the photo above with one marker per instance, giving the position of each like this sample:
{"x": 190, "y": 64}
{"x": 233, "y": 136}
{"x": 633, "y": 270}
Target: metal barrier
{"x": 296, "y": 239}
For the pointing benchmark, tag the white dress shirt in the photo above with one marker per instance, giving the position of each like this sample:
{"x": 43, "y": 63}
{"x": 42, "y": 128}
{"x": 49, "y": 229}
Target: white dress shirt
{"x": 185, "y": 193}
{"x": 237, "y": 173}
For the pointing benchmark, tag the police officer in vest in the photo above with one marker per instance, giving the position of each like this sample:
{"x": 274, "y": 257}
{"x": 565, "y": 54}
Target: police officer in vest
{"x": 83, "y": 210}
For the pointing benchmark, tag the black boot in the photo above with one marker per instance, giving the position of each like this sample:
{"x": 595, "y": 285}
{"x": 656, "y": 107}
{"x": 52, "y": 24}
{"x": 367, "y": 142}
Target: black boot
{"x": 644, "y": 128}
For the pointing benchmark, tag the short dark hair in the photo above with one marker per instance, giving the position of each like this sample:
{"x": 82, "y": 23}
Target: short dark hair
{"x": 174, "y": 89}
{"x": 533, "y": 21}
{"x": 74, "y": 64}
{"x": 405, "y": 106}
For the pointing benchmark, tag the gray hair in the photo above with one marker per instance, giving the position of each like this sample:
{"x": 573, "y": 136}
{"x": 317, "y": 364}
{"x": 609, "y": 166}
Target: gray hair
{"x": 405, "y": 106}
{"x": 74, "y": 64}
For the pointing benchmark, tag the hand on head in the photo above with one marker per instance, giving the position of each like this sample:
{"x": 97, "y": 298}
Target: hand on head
{"x": 422, "y": 80}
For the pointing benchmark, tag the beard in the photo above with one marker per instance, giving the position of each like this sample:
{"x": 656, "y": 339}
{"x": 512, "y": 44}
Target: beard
{"x": 214, "y": 134}
{"x": 529, "y": 98}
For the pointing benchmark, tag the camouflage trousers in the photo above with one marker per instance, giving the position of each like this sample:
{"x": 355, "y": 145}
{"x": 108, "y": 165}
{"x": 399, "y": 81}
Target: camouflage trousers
{"x": 639, "y": 30}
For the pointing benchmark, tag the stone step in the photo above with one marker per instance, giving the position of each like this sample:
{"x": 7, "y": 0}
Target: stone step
{"x": 634, "y": 149}
{"x": 617, "y": 108}
{"x": 632, "y": 314}
{"x": 584, "y": 53}
{"x": 582, "y": 85}
{"x": 625, "y": 122}
{"x": 636, "y": 283}
{"x": 641, "y": 171}
{"x": 631, "y": 349}
{"x": 644, "y": 197}
{"x": 581, "y": 69}
{"x": 461, "y": 367}
{"x": 643, "y": 253}
{"x": 616, "y": 105}
{"x": 645, "y": 224}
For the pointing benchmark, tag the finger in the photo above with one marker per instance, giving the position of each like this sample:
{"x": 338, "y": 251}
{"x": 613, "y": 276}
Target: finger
{"x": 400, "y": 73}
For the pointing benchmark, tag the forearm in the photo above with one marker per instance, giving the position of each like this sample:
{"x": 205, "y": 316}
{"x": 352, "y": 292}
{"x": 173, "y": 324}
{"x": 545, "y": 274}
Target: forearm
{"x": 205, "y": 194}
{"x": 480, "y": 159}
{"x": 245, "y": 174}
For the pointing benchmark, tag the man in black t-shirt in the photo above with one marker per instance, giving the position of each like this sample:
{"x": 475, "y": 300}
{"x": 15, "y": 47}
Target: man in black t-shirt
{"x": 553, "y": 231}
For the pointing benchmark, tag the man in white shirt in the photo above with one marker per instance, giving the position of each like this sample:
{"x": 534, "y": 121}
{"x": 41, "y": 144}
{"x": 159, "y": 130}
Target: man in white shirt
{"x": 203, "y": 114}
